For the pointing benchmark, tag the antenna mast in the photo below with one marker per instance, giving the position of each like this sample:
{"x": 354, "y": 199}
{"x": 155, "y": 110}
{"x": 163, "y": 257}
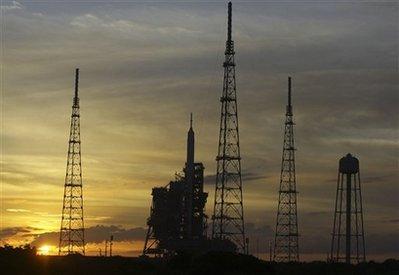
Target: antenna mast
{"x": 228, "y": 213}
{"x": 72, "y": 237}
{"x": 286, "y": 234}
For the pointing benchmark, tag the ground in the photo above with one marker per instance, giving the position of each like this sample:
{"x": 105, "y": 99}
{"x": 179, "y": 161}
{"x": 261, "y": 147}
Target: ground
{"x": 25, "y": 261}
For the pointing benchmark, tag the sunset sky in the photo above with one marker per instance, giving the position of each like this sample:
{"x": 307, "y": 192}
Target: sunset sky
{"x": 145, "y": 65}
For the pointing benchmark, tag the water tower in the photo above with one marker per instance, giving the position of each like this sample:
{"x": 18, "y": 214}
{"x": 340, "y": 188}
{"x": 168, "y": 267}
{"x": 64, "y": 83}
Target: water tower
{"x": 347, "y": 243}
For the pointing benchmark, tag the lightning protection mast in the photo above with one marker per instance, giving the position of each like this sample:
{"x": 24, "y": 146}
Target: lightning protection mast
{"x": 286, "y": 234}
{"x": 72, "y": 237}
{"x": 228, "y": 213}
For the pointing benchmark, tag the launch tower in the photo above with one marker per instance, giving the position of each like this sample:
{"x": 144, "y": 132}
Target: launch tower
{"x": 177, "y": 220}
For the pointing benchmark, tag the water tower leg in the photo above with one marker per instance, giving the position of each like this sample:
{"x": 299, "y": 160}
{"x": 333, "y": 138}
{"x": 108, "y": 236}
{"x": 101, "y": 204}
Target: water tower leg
{"x": 348, "y": 218}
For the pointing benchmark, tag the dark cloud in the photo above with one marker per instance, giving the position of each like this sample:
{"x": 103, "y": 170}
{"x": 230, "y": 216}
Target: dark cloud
{"x": 387, "y": 243}
{"x": 375, "y": 244}
{"x": 378, "y": 179}
{"x": 48, "y": 238}
{"x": 96, "y": 234}
{"x": 247, "y": 177}
{"x": 12, "y": 231}
{"x": 317, "y": 213}
{"x": 319, "y": 243}
{"x": 146, "y": 66}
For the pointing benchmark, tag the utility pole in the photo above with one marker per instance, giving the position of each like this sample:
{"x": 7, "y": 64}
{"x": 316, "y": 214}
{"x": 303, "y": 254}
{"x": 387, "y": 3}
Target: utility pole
{"x": 106, "y": 248}
{"x": 111, "y": 243}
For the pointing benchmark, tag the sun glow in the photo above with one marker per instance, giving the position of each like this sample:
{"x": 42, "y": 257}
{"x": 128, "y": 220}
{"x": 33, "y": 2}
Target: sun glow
{"x": 44, "y": 250}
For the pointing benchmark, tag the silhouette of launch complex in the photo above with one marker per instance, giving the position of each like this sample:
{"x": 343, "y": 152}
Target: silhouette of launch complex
{"x": 177, "y": 220}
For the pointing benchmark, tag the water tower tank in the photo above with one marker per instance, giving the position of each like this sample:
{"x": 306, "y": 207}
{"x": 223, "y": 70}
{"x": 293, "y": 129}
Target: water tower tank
{"x": 348, "y": 164}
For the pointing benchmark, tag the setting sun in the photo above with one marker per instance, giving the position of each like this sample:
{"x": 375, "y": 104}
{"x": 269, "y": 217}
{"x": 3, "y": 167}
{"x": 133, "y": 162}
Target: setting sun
{"x": 44, "y": 250}
{"x": 199, "y": 136}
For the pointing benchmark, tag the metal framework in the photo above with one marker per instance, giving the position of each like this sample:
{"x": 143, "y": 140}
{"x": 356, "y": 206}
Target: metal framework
{"x": 228, "y": 214}
{"x": 72, "y": 237}
{"x": 177, "y": 220}
{"x": 348, "y": 245}
{"x": 152, "y": 241}
{"x": 286, "y": 234}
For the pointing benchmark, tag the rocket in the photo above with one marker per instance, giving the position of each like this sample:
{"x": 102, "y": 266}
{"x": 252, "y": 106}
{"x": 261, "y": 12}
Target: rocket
{"x": 189, "y": 175}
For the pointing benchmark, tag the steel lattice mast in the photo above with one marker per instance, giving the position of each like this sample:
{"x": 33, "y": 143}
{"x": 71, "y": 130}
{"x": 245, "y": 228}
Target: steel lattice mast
{"x": 72, "y": 238}
{"x": 228, "y": 214}
{"x": 286, "y": 234}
